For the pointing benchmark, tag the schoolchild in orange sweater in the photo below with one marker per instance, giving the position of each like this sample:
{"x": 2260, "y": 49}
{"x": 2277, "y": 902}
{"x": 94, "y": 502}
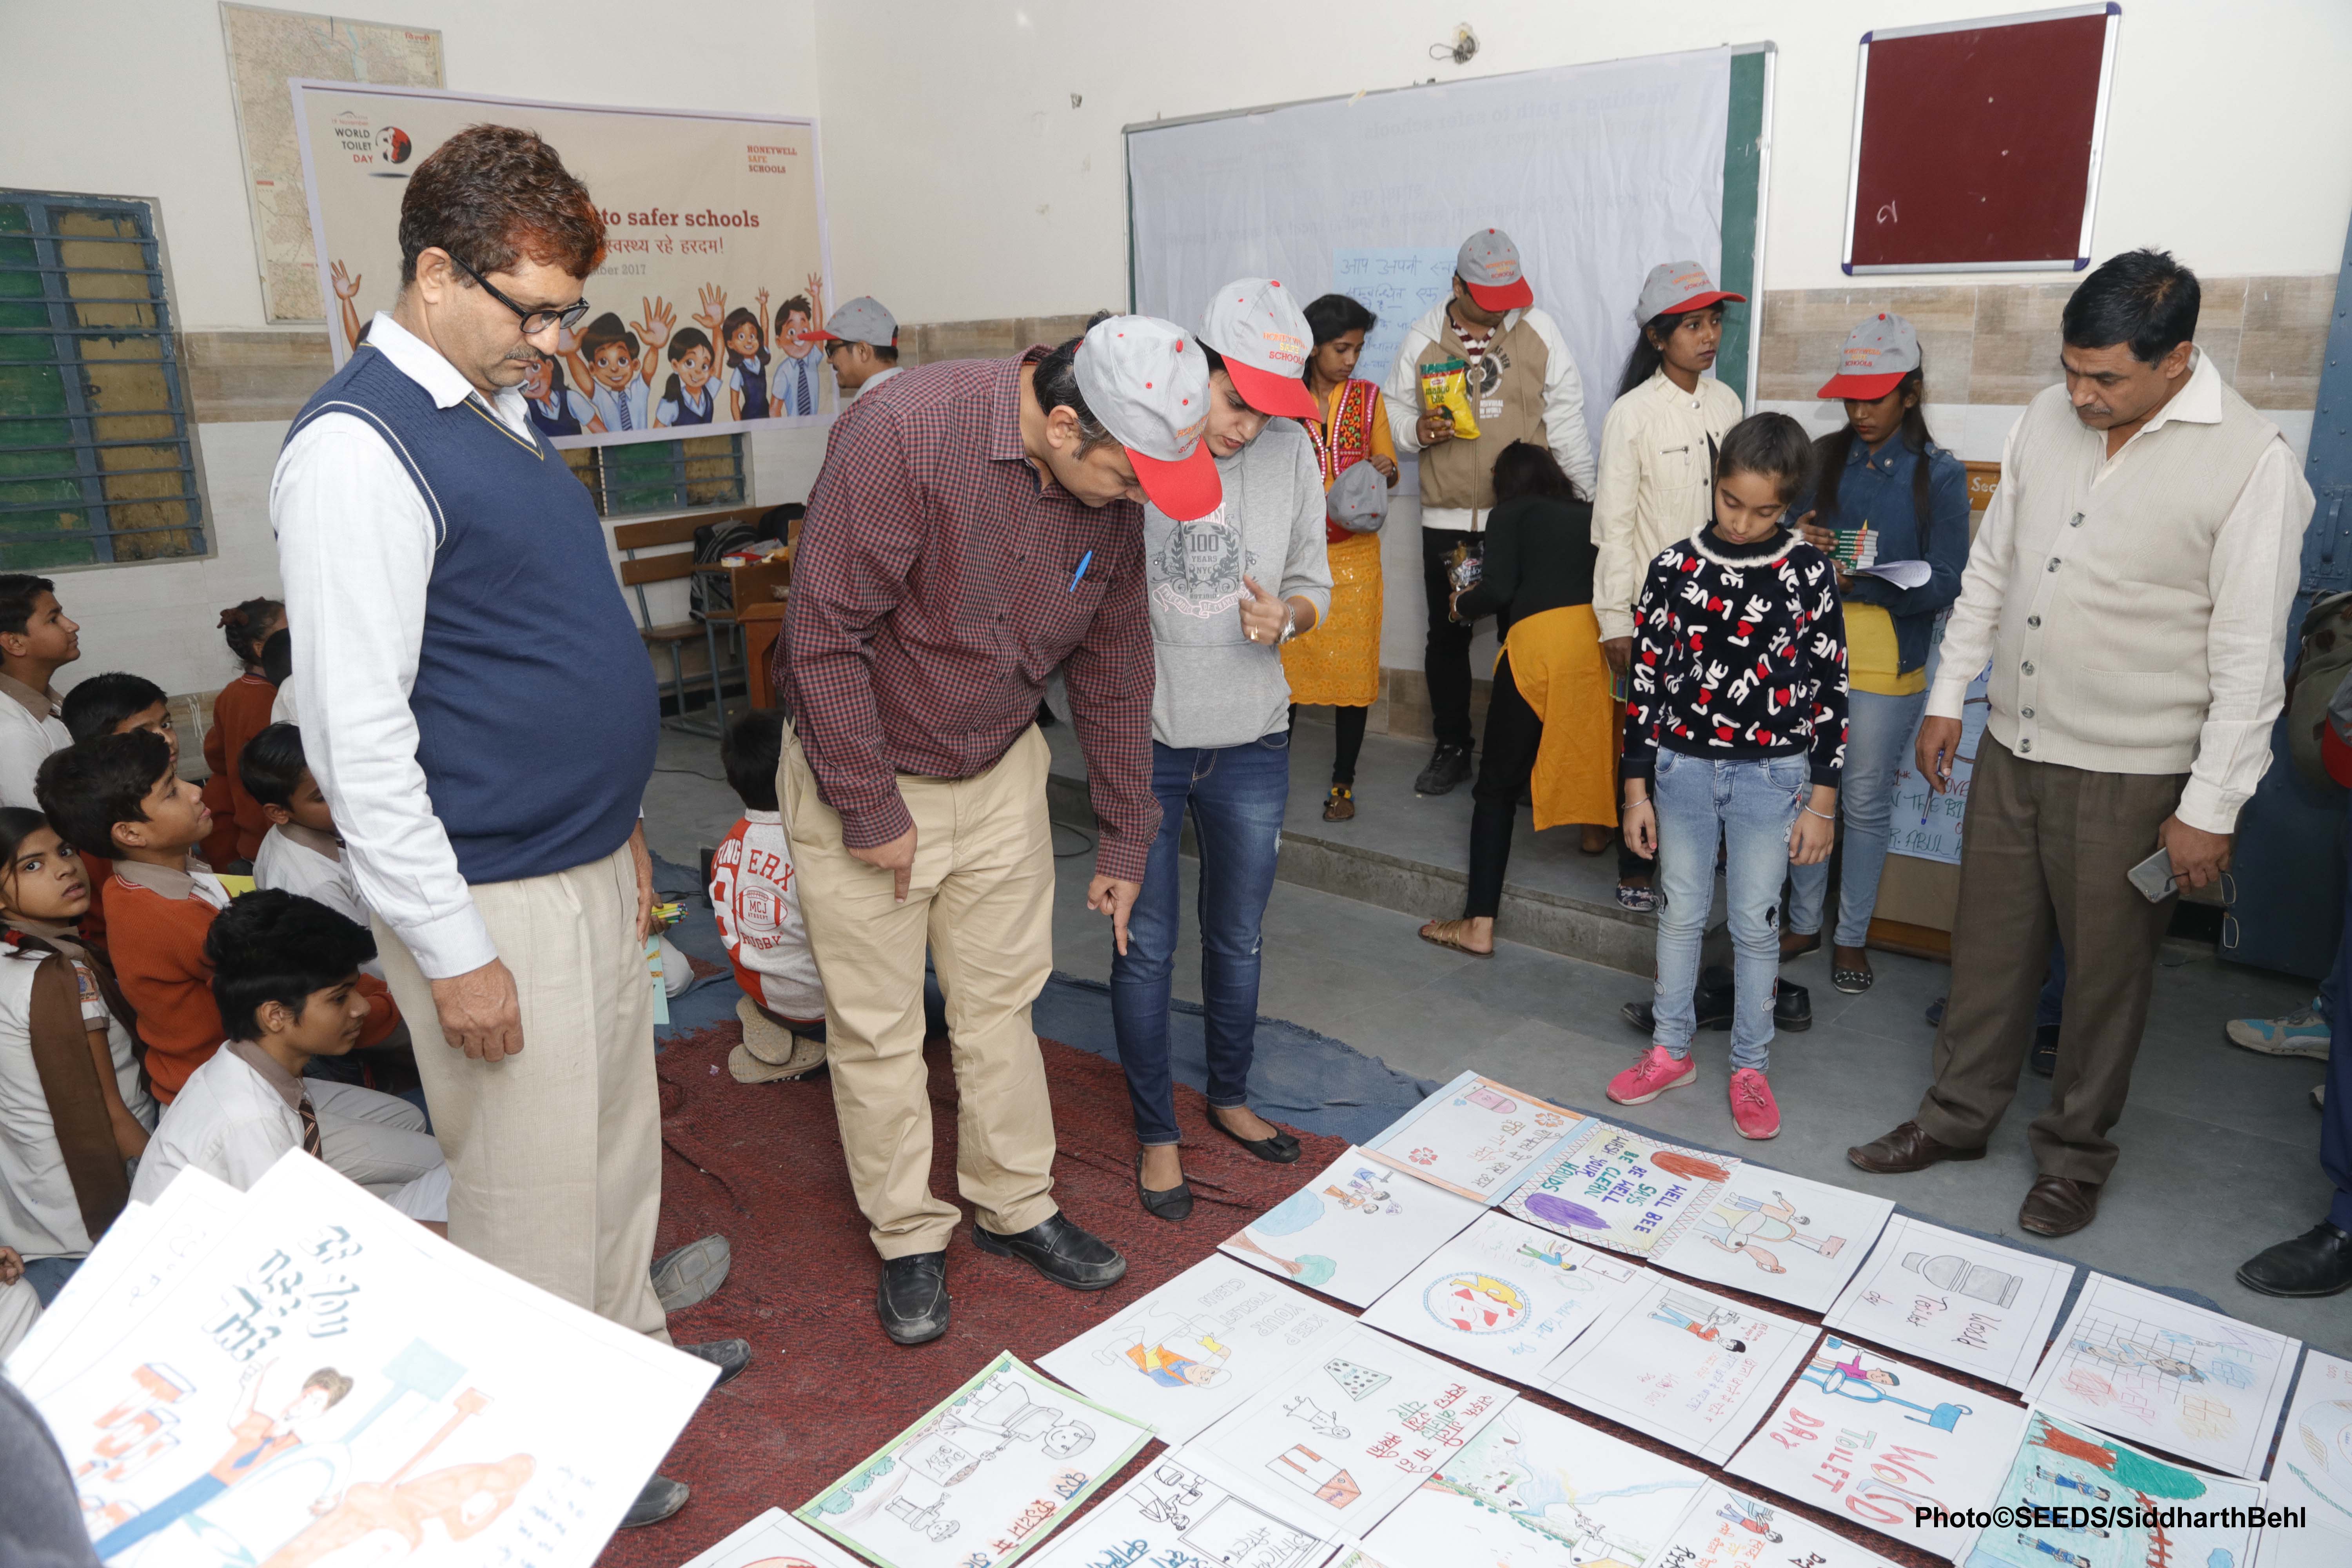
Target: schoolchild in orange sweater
{"x": 240, "y": 713}
{"x": 123, "y": 791}
{"x": 112, "y": 704}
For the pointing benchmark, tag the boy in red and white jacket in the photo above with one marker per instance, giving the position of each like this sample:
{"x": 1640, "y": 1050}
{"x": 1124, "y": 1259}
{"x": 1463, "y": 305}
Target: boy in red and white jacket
{"x": 756, "y": 896}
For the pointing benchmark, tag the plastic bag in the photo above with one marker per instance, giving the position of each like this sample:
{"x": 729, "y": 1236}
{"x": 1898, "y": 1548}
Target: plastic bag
{"x": 1445, "y": 391}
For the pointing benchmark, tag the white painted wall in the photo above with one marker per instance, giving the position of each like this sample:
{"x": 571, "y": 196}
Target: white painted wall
{"x": 132, "y": 97}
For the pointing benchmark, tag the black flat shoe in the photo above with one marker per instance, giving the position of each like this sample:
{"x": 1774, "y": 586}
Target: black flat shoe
{"x": 1281, "y": 1149}
{"x": 659, "y": 1498}
{"x": 913, "y": 1298}
{"x": 1063, "y": 1252}
{"x": 1169, "y": 1203}
{"x": 2317, "y": 1263}
{"x": 729, "y": 1356}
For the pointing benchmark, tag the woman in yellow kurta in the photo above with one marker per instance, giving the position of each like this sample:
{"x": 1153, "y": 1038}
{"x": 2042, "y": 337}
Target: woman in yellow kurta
{"x": 1339, "y": 662}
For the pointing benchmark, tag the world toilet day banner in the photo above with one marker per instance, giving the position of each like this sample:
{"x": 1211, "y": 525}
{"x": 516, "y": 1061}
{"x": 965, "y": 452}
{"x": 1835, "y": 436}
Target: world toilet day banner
{"x": 715, "y": 266}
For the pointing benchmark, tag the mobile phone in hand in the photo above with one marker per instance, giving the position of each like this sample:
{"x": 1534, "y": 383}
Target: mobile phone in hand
{"x": 2153, "y": 879}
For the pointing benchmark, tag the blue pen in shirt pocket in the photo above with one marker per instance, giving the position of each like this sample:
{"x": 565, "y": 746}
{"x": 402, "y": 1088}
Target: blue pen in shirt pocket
{"x": 1076, "y": 577}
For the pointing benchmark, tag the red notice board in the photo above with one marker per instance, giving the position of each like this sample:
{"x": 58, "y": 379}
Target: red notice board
{"x": 1977, "y": 145}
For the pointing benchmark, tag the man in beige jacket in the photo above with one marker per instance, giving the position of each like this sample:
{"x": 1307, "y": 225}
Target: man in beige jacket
{"x": 2129, "y": 586}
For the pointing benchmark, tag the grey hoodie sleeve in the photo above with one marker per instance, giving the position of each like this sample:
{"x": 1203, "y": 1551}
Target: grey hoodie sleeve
{"x": 1307, "y": 567}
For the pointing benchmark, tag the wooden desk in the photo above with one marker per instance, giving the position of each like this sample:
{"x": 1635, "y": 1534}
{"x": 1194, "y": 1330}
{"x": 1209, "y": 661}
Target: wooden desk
{"x": 762, "y": 621}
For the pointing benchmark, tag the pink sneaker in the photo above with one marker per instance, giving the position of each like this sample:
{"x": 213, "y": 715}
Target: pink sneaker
{"x": 1753, "y": 1110}
{"x": 1655, "y": 1073}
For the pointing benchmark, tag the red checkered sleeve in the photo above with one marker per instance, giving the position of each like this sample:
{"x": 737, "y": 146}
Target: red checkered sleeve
{"x": 1110, "y": 675}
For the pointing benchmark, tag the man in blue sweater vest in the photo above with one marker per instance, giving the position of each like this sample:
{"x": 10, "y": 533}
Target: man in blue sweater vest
{"x": 480, "y": 714}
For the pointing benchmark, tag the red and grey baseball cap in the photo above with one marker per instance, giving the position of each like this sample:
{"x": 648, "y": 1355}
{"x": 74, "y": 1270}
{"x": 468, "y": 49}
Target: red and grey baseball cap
{"x": 1878, "y": 354}
{"x": 1263, "y": 336}
{"x": 1678, "y": 288}
{"x": 859, "y": 321}
{"x": 1489, "y": 263}
{"x": 1148, "y": 382}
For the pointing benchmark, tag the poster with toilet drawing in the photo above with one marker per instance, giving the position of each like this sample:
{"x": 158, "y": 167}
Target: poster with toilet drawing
{"x": 1339, "y": 1442}
{"x": 1874, "y": 1440}
{"x": 775, "y": 1540}
{"x": 1503, "y": 1297}
{"x": 1685, "y": 1365}
{"x": 2171, "y": 1514}
{"x": 331, "y": 1382}
{"x": 1354, "y": 1230}
{"x": 1474, "y": 1137}
{"x": 1183, "y": 1356}
{"x": 1726, "y": 1528}
{"x": 1779, "y": 1236}
{"x": 1172, "y": 1516}
{"x": 1536, "y": 1490}
{"x": 2169, "y": 1376}
{"x": 1974, "y": 1306}
{"x": 982, "y": 1477}
{"x": 2313, "y": 1470}
{"x": 1608, "y": 1187}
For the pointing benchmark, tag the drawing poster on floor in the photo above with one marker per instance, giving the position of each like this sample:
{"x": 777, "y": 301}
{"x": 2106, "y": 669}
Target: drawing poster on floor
{"x": 2060, "y": 1466}
{"x": 1353, "y": 1231}
{"x": 1204, "y": 1343}
{"x": 775, "y": 1540}
{"x": 1503, "y": 1296}
{"x": 1340, "y": 1441}
{"x": 1779, "y": 1236}
{"x": 1726, "y": 1528}
{"x": 1474, "y": 1137}
{"x": 1974, "y": 1306}
{"x": 981, "y": 1477}
{"x": 330, "y": 1373}
{"x": 1352, "y": 1555}
{"x": 1611, "y": 1188}
{"x": 1876, "y": 1439}
{"x": 2159, "y": 1372}
{"x": 1536, "y": 1490}
{"x": 2313, "y": 1468}
{"x": 1685, "y": 1365}
{"x": 1172, "y": 1516}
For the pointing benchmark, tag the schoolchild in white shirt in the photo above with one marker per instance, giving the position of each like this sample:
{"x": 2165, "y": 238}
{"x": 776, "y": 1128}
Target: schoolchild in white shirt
{"x": 301, "y": 853}
{"x": 37, "y": 640}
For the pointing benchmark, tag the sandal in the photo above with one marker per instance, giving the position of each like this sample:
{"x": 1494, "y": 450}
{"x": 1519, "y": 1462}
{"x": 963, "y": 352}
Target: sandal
{"x": 1452, "y": 930}
{"x": 1641, "y": 900}
{"x": 1340, "y": 806}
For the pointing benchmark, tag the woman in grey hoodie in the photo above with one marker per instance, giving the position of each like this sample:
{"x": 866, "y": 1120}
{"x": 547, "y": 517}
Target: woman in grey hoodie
{"x": 1226, "y": 592}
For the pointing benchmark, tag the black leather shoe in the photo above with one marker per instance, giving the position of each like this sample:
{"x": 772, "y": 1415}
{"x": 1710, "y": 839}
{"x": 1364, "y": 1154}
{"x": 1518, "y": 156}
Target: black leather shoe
{"x": 659, "y": 1498}
{"x": 1281, "y": 1149}
{"x": 913, "y": 1298}
{"x": 1166, "y": 1202}
{"x": 729, "y": 1356}
{"x": 2044, "y": 1059}
{"x": 2059, "y": 1206}
{"x": 1061, "y": 1251}
{"x": 2317, "y": 1263}
{"x": 1448, "y": 767}
{"x": 1792, "y": 1006}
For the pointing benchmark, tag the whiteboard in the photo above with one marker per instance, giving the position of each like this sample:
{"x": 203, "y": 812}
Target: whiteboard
{"x": 1598, "y": 172}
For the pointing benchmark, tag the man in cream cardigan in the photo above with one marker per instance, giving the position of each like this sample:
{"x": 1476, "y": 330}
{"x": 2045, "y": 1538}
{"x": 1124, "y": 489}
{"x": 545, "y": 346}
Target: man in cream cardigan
{"x": 2129, "y": 586}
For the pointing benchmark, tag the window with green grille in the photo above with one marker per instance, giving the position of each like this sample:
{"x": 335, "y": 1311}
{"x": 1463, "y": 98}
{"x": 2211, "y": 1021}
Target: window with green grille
{"x": 96, "y": 463}
{"x": 662, "y": 476}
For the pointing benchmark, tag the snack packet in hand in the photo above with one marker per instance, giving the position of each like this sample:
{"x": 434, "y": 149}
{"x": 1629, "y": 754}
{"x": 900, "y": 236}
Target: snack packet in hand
{"x": 1445, "y": 390}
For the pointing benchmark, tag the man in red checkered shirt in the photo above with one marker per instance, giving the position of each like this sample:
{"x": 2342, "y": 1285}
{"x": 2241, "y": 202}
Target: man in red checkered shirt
{"x": 976, "y": 526}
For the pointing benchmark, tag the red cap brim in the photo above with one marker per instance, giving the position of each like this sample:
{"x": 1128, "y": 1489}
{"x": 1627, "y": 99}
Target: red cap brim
{"x": 1701, "y": 302}
{"x": 1507, "y": 297}
{"x": 1184, "y": 489}
{"x": 1864, "y": 388}
{"x": 818, "y": 337}
{"x": 1283, "y": 396}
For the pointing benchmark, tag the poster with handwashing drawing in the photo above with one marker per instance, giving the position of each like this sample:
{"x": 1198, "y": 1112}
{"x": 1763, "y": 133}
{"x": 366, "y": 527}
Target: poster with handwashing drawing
{"x": 1536, "y": 1490}
{"x": 1474, "y": 1137}
{"x": 1874, "y": 1439}
{"x": 2162, "y": 1372}
{"x": 1726, "y": 1528}
{"x": 1183, "y": 1356}
{"x": 1685, "y": 1365}
{"x": 2313, "y": 1470}
{"x": 1354, "y": 1230}
{"x": 1972, "y": 1305}
{"x": 1343, "y": 1439}
{"x": 2162, "y": 1515}
{"x": 331, "y": 1383}
{"x": 1608, "y": 1187}
{"x": 1172, "y": 1516}
{"x": 775, "y": 1540}
{"x": 1779, "y": 1236}
{"x": 982, "y": 1477}
{"x": 1503, "y": 1297}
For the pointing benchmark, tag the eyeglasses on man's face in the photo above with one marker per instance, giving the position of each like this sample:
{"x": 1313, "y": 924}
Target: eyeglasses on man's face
{"x": 533, "y": 322}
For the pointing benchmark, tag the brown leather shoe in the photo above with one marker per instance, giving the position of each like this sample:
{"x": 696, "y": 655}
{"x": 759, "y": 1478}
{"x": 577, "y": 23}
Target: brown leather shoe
{"x": 2059, "y": 1206}
{"x": 1906, "y": 1148}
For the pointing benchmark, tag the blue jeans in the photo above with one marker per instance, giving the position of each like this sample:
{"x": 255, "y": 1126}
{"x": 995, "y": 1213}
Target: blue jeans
{"x": 1878, "y": 738}
{"x": 48, "y": 1275}
{"x": 1753, "y": 805}
{"x": 1236, "y": 796}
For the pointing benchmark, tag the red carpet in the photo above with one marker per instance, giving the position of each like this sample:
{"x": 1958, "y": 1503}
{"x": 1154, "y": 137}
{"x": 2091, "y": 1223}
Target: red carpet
{"x": 761, "y": 1165}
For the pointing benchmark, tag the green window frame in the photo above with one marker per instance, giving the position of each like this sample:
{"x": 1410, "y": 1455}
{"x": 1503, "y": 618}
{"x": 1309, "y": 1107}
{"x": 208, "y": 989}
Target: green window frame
{"x": 97, "y": 461}
{"x": 631, "y": 478}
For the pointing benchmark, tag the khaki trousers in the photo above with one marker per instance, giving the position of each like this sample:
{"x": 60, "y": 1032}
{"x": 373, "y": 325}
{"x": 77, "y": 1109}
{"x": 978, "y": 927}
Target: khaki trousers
{"x": 2046, "y": 848}
{"x": 556, "y": 1154}
{"x": 982, "y": 898}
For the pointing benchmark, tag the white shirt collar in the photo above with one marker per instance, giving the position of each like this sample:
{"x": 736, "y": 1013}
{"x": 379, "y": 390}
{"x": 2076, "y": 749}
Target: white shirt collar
{"x": 877, "y": 378}
{"x": 2199, "y": 403}
{"x": 754, "y": 814}
{"x": 418, "y": 361}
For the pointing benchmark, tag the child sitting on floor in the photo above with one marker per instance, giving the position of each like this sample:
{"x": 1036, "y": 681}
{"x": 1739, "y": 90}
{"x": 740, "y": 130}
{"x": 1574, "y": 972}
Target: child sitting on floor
{"x": 752, "y": 892}
{"x": 122, "y": 791}
{"x": 240, "y": 713}
{"x": 36, "y": 641}
{"x": 114, "y": 703}
{"x": 73, "y": 1111}
{"x": 301, "y": 852}
{"x": 286, "y": 984}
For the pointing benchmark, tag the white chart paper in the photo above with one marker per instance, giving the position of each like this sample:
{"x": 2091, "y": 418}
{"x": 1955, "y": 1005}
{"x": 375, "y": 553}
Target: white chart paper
{"x": 1726, "y": 1528}
{"x": 775, "y": 1540}
{"x": 1503, "y": 1297}
{"x": 2059, "y": 1465}
{"x": 1613, "y": 1188}
{"x": 1975, "y": 1306}
{"x": 1354, "y": 1230}
{"x": 1474, "y": 1137}
{"x": 1779, "y": 1236}
{"x": 2313, "y": 1468}
{"x": 1172, "y": 1516}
